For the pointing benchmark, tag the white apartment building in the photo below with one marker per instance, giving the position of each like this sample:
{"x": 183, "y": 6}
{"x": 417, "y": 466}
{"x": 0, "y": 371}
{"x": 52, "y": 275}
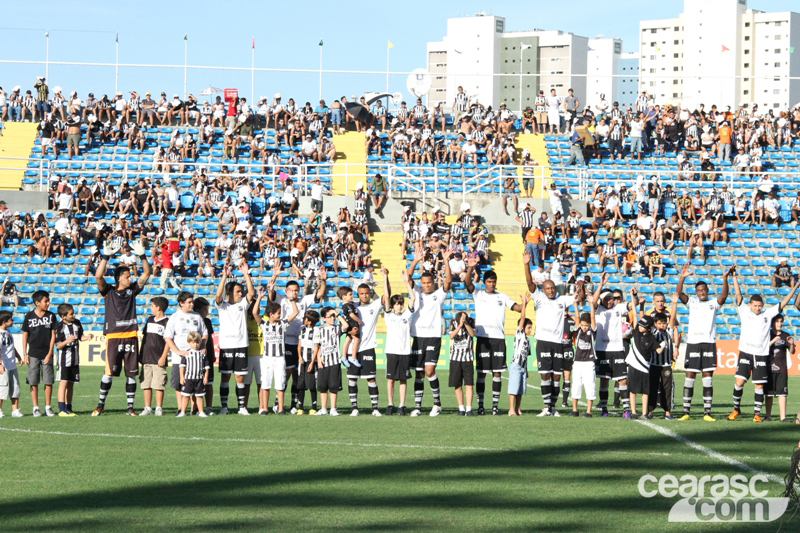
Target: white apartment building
{"x": 720, "y": 52}
{"x": 628, "y": 82}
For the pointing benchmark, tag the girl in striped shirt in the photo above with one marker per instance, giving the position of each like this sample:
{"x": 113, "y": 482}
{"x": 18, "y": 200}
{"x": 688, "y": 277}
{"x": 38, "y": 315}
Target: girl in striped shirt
{"x": 518, "y": 369}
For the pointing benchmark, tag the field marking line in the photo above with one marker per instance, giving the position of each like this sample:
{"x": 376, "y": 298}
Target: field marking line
{"x": 255, "y": 441}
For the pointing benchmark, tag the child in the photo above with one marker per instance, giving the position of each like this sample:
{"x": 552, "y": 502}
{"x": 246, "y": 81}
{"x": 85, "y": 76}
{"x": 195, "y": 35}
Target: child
{"x": 306, "y": 375}
{"x": 273, "y": 358}
{"x": 38, "y": 340}
{"x": 352, "y": 329}
{"x": 583, "y": 368}
{"x": 781, "y": 347}
{"x": 462, "y": 370}
{"x": 641, "y": 351}
{"x": 9, "y": 376}
{"x": 327, "y": 359}
{"x": 518, "y": 369}
{"x": 201, "y": 307}
{"x": 154, "y": 356}
{"x": 68, "y": 333}
{"x": 661, "y": 384}
{"x": 194, "y": 375}
{"x": 398, "y": 341}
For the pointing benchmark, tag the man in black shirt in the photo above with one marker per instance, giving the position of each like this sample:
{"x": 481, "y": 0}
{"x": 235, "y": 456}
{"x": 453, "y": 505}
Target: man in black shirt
{"x": 782, "y": 275}
{"x": 38, "y": 340}
{"x": 154, "y": 356}
{"x": 142, "y": 196}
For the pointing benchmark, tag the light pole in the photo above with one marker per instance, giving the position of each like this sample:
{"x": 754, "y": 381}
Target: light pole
{"x": 521, "y": 48}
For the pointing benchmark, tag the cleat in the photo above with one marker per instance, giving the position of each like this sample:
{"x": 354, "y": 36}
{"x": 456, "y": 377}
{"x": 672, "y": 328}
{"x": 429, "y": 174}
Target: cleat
{"x": 321, "y": 412}
{"x": 244, "y": 411}
{"x": 470, "y": 413}
{"x": 49, "y": 411}
{"x": 66, "y": 414}
{"x": 223, "y": 411}
{"x": 97, "y": 412}
{"x": 545, "y": 412}
{"x": 334, "y": 412}
{"x": 587, "y": 415}
{"x": 202, "y": 414}
{"x": 786, "y": 420}
{"x": 130, "y": 412}
{"x": 757, "y": 419}
{"x": 626, "y": 415}
{"x": 461, "y": 413}
{"x": 481, "y": 412}
{"x": 389, "y": 410}
{"x": 634, "y": 416}
{"x": 649, "y": 416}
{"x": 293, "y": 411}
{"x": 604, "y": 413}
{"x": 554, "y": 413}
{"x": 574, "y": 414}
{"x": 17, "y": 414}
{"x": 262, "y": 412}
{"x": 354, "y": 412}
{"x": 616, "y": 405}
{"x": 708, "y": 418}
{"x": 36, "y": 412}
{"x": 282, "y": 413}
{"x": 436, "y": 411}
{"x": 180, "y": 414}
{"x": 495, "y": 411}
{"x": 159, "y": 411}
{"x": 685, "y": 417}
{"x": 767, "y": 419}
{"x": 208, "y": 411}
{"x": 275, "y": 408}
{"x": 146, "y": 411}
{"x": 312, "y": 412}
{"x": 416, "y": 412}
{"x": 669, "y": 417}
{"x": 299, "y": 412}
{"x": 401, "y": 411}
{"x": 375, "y": 412}
{"x": 734, "y": 414}
{"x": 564, "y": 404}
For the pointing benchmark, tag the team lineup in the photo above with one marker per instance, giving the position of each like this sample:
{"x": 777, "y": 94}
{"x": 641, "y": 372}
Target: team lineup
{"x": 613, "y": 338}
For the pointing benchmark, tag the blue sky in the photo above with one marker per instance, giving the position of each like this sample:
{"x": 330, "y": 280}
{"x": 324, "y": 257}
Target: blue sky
{"x": 287, "y": 35}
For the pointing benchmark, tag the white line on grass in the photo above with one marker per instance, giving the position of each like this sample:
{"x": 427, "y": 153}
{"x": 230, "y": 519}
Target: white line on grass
{"x": 256, "y": 441}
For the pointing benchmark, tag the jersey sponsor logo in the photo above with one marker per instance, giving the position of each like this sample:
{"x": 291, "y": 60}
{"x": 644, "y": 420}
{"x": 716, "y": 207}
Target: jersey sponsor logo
{"x": 499, "y": 354}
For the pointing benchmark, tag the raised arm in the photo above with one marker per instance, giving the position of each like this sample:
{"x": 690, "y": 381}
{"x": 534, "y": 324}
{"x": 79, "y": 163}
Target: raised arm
{"x": 472, "y": 262}
{"x": 525, "y": 298}
{"x": 322, "y": 286}
{"x": 220, "y": 296}
{"x": 526, "y": 260}
{"x": 788, "y": 297}
{"x": 418, "y": 256}
{"x": 634, "y": 303}
{"x": 723, "y": 296}
{"x": 673, "y": 322}
{"x": 251, "y": 288}
{"x": 137, "y": 247}
{"x": 448, "y": 276}
{"x": 387, "y": 289}
{"x": 276, "y": 270}
{"x": 294, "y": 312}
{"x": 679, "y": 289}
{"x": 99, "y": 275}
{"x": 737, "y": 290}
{"x": 255, "y": 311}
{"x": 598, "y": 290}
{"x": 412, "y": 296}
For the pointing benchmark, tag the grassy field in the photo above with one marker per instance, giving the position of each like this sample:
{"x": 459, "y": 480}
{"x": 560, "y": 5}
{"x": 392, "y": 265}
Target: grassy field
{"x": 301, "y": 473}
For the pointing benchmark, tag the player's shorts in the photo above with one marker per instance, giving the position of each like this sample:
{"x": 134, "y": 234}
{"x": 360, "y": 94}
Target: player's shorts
{"x": 461, "y": 373}
{"x": 490, "y": 355}
{"x": 119, "y": 351}
{"x": 638, "y": 381}
{"x": 70, "y": 374}
{"x": 193, "y": 387}
{"x": 153, "y": 377}
{"x": 290, "y": 354}
{"x": 425, "y": 352}
{"x": 602, "y": 365}
{"x": 701, "y": 357}
{"x": 233, "y": 361}
{"x": 619, "y": 368}
{"x": 273, "y": 370}
{"x": 368, "y": 368}
{"x": 38, "y": 371}
{"x": 398, "y": 367}
{"x": 253, "y": 368}
{"x": 329, "y": 379}
{"x": 546, "y": 353}
{"x": 9, "y": 384}
{"x": 568, "y": 357}
{"x": 175, "y": 377}
{"x": 306, "y": 380}
{"x": 778, "y": 385}
{"x": 757, "y": 365}
{"x": 210, "y": 360}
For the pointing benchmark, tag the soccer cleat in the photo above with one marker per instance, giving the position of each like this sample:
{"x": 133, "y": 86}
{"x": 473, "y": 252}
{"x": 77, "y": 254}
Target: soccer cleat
{"x": 354, "y": 412}
{"x": 146, "y": 411}
{"x": 159, "y": 411}
{"x": 282, "y": 413}
{"x": 293, "y": 411}
{"x": 649, "y": 416}
{"x": 575, "y": 414}
{"x": 66, "y": 414}
{"x": 564, "y": 404}
{"x": 389, "y": 410}
{"x": 545, "y": 412}
{"x": 36, "y": 412}
{"x": 708, "y": 418}
{"x": 786, "y": 420}
{"x": 554, "y": 413}
{"x": 202, "y": 414}
{"x": 461, "y": 413}
{"x": 263, "y": 412}
{"x": 495, "y": 411}
{"x": 180, "y": 414}
{"x": 299, "y": 412}
{"x": 17, "y": 414}
{"x": 626, "y": 415}
{"x": 130, "y": 412}
{"x": 375, "y": 412}
{"x": 470, "y": 413}
{"x": 616, "y": 405}
{"x": 604, "y": 413}
{"x": 223, "y": 411}
{"x": 734, "y": 414}
{"x": 244, "y": 411}
{"x": 208, "y": 411}
{"x": 312, "y": 412}
{"x": 321, "y": 412}
{"x": 766, "y": 418}
{"x": 334, "y": 412}
{"x": 49, "y": 411}
{"x": 401, "y": 411}
{"x": 669, "y": 417}
{"x": 275, "y": 408}
{"x": 757, "y": 419}
{"x": 1, "y": 414}
{"x": 481, "y": 412}
{"x": 99, "y": 411}
{"x": 436, "y": 411}
{"x": 634, "y": 416}
{"x": 587, "y": 415}
{"x": 416, "y": 412}
{"x": 685, "y": 417}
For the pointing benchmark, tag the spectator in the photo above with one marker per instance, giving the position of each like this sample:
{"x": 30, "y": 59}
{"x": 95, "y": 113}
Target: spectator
{"x": 782, "y": 275}
{"x": 609, "y": 253}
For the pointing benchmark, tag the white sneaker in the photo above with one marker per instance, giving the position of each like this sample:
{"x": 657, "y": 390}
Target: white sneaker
{"x": 275, "y": 408}
{"x": 375, "y": 412}
{"x": 146, "y": 411}
{"x": 49, "y": 411}
{"x": 354, "y": 412}
{"x": 436, "y": 411}
{"x": 180, "y": 414}
{"x": 244, "y": 411}
{"x": 202, "y": 414}
{"x": 545, "y": 412}
{"x": 36, "y": 412}
{"x": 321, "y": 412}
{"x": 209, "y": 412}
{"x": 555, "y": 414}
{"x": 159, "y": 411}
{"x": 223, "y": 411}
{"x": 293, "y": 411}
{"x": 1, "y": 414}
{"x": 334, "y": 412}
{"x": 16, "y": 414}
{"x": 416, "y": 412}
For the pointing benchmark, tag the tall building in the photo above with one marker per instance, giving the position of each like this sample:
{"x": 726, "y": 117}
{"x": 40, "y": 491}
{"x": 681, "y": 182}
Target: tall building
{"x": 628, "y": 81}
{"x": 603, "y": 58}
{"x": 477, "y": 47}
{"x": 721, "y": 52}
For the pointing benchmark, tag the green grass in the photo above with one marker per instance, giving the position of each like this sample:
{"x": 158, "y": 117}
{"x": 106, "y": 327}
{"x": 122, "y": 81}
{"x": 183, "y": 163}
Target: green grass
{"x": 304, "y": 473}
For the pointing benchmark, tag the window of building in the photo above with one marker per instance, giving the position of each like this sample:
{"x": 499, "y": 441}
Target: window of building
{"x": 747, "y": 65}
{"x": 675, "y": 55}
{"x": 674, "y": 69}
{"x": 778, "y": 37}
{"x": 776, "y": 91}
{"x": 674, "y": 95}
{"x": 676, "y": 28}
{"x": 653, "y": 43}
{"x": 777, "y": 23}
{"x": 653, "y": 30}
{"x": 746, "y": 91}
{"x": 777, "y": 50}
{"x": 778, "y": 64}
{"x": 747, "y": 79}
{"x": 746, "y": 52}
{"x": 675, "y": 42}
{"x": 746, "y": 37}
{"x": 746, "y": 24}
{"x": 674, "y": 82}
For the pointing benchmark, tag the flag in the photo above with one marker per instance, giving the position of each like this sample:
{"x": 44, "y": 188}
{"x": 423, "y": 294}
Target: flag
{"x": 47, "y": 33}
{"x": 391, "y": 45}
{"x": 725, "y": 48}
{"x": 186, "y": 37}
{"x": 254, "y": 43}
{"x": 320, "y": 42}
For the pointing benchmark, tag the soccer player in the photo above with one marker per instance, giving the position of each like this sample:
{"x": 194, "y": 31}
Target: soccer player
{"x": 368, "y": 312}
{"x": 754, "y": 344}
{"x": 9, "y": 376}
{"x": 490, "y": 316}
{"x": 121, "y": 326}
{"x": 701, "y": 340}
{"x": 518, "y": 371}
{"x": 610, "y": 314}
{"x": 232, "y": 303}
{"x": 551, "y": 310}
{"x": 326, "y": 359}
{"x": 38, "y": 339}
{"x": 426, "y": 330}
{"x": 398, "y": 340}
{"x": 69, "y": 332}
{"x": 306, "y": 374}
{"x": 193, "y": 374}
{"x": 273, "y": 360}
{"x": 292, "y": 336}
{"x": 154, "y": 357}
{"x": 182, "y": 322}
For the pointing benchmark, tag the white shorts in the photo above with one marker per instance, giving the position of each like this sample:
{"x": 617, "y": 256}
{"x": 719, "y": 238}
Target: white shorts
{"x": 253, "y": 367}
{"x": 9, "y": 384}
{"x": 273, "y": 369}
{"x": 583, "y": 375}
{"x": 46, "y": 141}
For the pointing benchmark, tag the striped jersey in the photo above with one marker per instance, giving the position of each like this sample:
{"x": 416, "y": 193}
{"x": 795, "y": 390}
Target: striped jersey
{"x": 68, "y": 355}
{"x": 272, "y": 333}
{"x": 642, "y": 347}
{"x": 462, "y": 102}
{"x": 420, "y": 111}
{"x": 194, "y": 365}
{"x": 461, "y": 345}
{"x": 664, "y": 358}
{"x": 526, "y": 216}
{"x": 522, "y": 349}
{"x": 327, "y": 337}
{"x": 306, "y": 345}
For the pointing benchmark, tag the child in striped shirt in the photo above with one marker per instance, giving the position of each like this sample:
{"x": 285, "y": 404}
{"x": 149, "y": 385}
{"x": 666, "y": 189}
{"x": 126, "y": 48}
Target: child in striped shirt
{"x": 518, "y": 369}
{"x": 194, "y": 375}
{"x": 273, "y": 359}
{"x": 462, "y": 357}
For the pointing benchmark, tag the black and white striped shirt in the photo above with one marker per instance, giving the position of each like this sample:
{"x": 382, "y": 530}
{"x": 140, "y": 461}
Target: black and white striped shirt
{"x": 616, "y": 133}
{"x": 194, "y": 365}
{"x": 609, "y": 249}
{"x": 272, "y": 333}
{"x": 420, "y": 111}
{"x": 665, "y": 357}
{"x": 526, "y": 216}
{"x": 461, "y": 345}
{"x": 327, "y": 337}
{"x": 403, "y": 113}
{"x": 478, "y": 136}
{"x": 462, "y": 102}
{"x": 482, "y": 246}
{"x": 361, "y": 201}
{"x": 68, "y": 355}
{"x": 306, "y": 345}
{"x": 522, "y": 349}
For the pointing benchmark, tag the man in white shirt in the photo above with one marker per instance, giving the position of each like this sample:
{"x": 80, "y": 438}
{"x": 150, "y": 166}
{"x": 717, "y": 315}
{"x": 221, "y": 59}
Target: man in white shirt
{"x": 222, "y": 245}
{"x": 701, "y": 340}
{"x": 317, "y": 191}
{"x": 550, "y": 312}
{"x": 490, "y": 349}
{"x": 554, "y": 112}
{"x": 309, "y": 148}
{"x": 556, "y": 205}
{"x": 754, "y": 347}
{"x": 180, "y": 324}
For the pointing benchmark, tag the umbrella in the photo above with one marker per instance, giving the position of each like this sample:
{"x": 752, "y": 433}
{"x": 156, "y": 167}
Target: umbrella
{"x": 210, "y": 90}
{"x": 358, "y": 111}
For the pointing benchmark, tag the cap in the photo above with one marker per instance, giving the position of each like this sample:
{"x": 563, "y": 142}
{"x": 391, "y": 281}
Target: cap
{"x": 437, "y": 209}
{"x": 359, "y": 185}
{"x": 645, "y": 322}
